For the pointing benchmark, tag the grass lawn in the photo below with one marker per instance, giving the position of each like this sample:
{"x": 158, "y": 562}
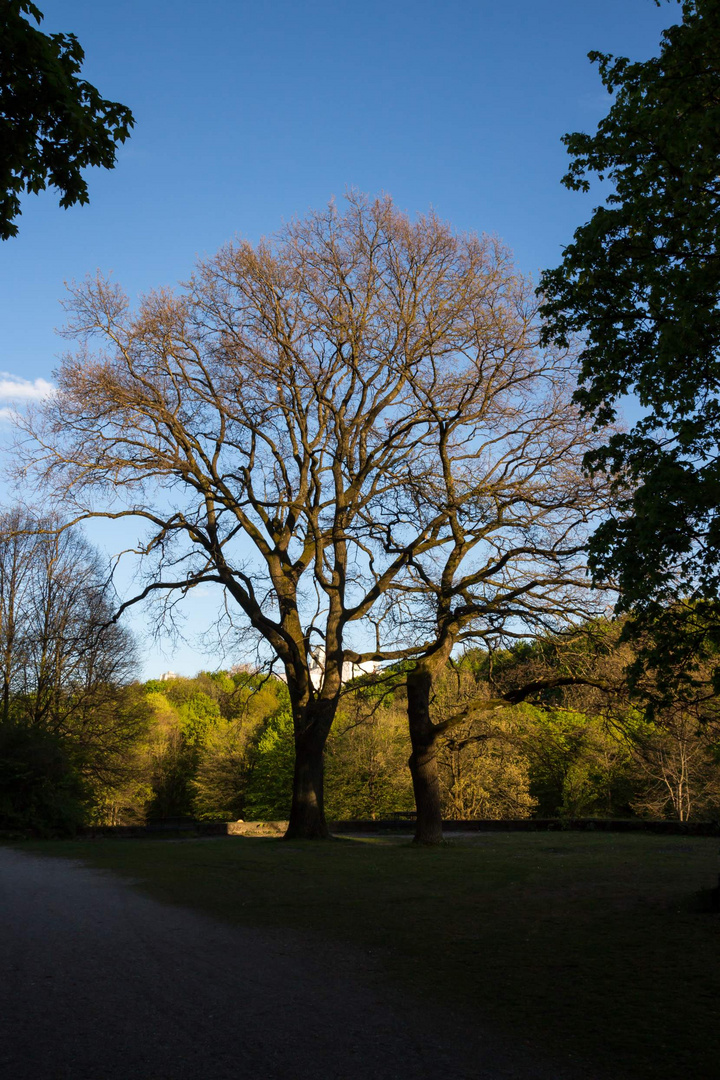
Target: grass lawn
{"x": 592, "y": 946}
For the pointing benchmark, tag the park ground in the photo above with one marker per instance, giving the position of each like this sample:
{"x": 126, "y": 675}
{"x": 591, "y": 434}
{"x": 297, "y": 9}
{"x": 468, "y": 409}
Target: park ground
{"x": 597, "y": 951}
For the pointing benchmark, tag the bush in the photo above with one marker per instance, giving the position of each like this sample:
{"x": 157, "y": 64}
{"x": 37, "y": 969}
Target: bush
{"x": 42, "y": 791}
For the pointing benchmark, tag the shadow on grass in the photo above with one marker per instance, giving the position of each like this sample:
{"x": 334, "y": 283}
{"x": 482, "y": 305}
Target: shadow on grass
{"x": 595, "y": 945}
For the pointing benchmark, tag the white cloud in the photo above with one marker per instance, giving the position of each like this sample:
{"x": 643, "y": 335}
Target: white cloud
{"x": 14, "y": 388}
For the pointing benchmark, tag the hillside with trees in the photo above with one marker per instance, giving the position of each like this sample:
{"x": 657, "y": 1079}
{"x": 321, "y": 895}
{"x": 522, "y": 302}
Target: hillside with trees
{"x": 218, "y": 746}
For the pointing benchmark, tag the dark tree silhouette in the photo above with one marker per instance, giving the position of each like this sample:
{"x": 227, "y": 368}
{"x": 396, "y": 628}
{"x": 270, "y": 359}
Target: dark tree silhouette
{"x": 641, "y": 282}
{"x": 53, "y": 124}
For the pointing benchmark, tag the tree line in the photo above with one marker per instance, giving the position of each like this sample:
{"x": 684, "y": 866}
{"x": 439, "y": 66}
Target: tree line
{"x": 82, "y": 742}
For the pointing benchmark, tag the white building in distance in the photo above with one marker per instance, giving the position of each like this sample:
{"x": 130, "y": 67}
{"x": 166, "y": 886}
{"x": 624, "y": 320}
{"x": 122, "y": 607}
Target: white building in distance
{"x": 349, "y": 671}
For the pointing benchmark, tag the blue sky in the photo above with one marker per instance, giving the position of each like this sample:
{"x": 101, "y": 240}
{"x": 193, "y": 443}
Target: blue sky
{"x": 249, "y": 114}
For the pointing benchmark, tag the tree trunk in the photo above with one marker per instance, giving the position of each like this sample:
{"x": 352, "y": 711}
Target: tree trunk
{"x": 423, "y": 760}
{"x": 307, "y": 813}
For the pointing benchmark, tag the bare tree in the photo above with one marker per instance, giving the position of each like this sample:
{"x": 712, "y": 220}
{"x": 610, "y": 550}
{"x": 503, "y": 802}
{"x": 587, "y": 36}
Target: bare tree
{"x": 17, "y": 550}
{"x": 502, "y": 490}
{"x": 282, "y": 428}
{"x": 64, "y": 667}
{"x": 675, "y": 742}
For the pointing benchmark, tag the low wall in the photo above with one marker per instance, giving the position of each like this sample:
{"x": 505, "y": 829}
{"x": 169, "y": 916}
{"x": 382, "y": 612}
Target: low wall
{"x": 186, "y": 827}
{"x": 686, "y": 828}
{"x": 180, "y": 827}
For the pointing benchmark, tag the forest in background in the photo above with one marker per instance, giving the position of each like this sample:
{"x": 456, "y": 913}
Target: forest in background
{"x": 82, "y": 743}
{"x": 219, "y": 746}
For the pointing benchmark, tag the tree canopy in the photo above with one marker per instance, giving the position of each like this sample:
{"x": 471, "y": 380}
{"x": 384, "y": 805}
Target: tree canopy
{"x": 53, "y": 124}
{"x": 641, "y": 283}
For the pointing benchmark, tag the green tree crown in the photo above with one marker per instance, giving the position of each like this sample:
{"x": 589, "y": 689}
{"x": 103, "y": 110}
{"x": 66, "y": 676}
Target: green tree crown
{"x": 53, "y": 124}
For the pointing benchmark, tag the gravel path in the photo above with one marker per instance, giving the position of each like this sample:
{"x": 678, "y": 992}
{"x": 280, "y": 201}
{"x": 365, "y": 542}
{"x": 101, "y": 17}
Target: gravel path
{"x": 98, "y": 982}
